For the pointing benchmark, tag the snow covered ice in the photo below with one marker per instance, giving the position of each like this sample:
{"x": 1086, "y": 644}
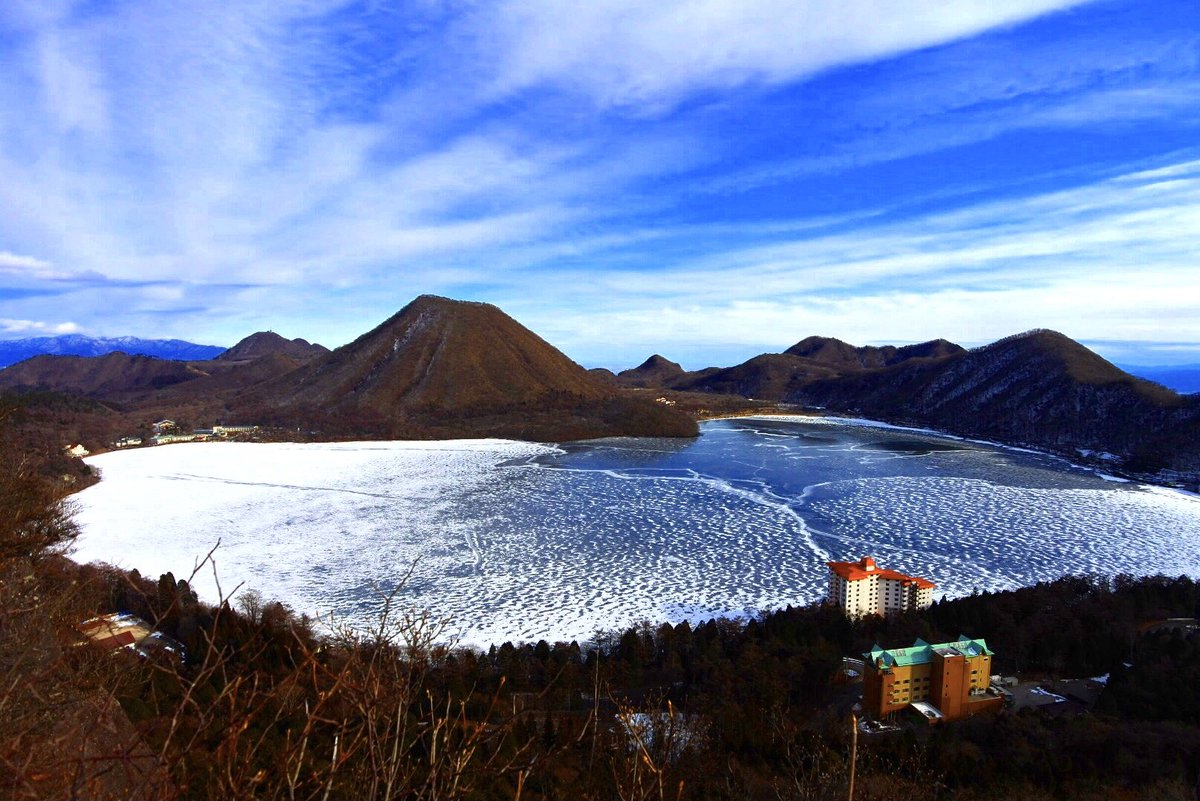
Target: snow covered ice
{"x": 519, "y": 541}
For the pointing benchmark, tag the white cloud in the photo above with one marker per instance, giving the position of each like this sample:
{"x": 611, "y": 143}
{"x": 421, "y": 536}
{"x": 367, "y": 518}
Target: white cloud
{"x": 30, "y": 269}
{"x": 624, "y": 52}
{"x": 13, "y": 262}
{"x": 10, "y": 326}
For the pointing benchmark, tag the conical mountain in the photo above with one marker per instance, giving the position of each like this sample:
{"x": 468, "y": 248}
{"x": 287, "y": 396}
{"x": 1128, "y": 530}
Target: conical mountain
{"x": 442, "y": 367}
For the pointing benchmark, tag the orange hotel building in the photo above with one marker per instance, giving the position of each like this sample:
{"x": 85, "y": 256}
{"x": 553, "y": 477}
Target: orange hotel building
{"x": 865, "y": 588}
{"x": 942, "y": 682}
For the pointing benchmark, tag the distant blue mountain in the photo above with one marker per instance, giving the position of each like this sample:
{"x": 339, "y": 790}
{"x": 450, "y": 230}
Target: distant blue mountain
{"x": 17, "y": 350}
{"x": 1183, "y": 378}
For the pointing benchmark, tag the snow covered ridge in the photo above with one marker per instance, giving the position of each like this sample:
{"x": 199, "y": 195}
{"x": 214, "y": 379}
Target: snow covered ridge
{"x": 520, "y": 541}
{"x": 16, "y": 350}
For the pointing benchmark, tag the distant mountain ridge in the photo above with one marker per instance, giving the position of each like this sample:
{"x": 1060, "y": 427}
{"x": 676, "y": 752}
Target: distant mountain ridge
{"x": 775, "y": 376}
{"x": 17, "y": 350}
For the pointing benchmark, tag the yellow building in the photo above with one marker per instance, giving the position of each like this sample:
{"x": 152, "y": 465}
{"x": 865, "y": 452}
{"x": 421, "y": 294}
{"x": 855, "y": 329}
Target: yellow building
{"x": 942, "y": 682}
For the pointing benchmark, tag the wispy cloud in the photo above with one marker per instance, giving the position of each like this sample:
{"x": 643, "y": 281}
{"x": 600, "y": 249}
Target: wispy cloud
{"x": 21, "y": 270}
{"x": 14, "y": 263}
{"x": 626, "y": 53}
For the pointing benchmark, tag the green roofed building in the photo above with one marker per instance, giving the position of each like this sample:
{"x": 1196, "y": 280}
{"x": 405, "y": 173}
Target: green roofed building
{"x": 944, "y": 681}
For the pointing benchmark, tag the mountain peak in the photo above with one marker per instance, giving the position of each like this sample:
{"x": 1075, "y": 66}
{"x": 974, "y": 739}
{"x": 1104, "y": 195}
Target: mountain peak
{"x": 1061, "y": 353}
{"x": 933, "y": 349}
{"x": 1044, "y": 336}
{"x": 839, "y": 354}
{"x": 811, "y": 345}
{"x": 429, "y": 302}
{"x": 654, "y": 372}
{"x": 660, "y": 361}
{"x": 1044, "y": 341}
{"x": 268, "y": 343}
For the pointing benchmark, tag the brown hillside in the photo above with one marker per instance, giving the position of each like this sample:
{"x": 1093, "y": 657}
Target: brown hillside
{"x": 771, "y": 376}
{"x": 143, "y": 381}
{"x": 1039, "y": 389}
{"x": 108, "y": 376}
{"x": 140, "y": 389}
{"x": 1079, "y": 363}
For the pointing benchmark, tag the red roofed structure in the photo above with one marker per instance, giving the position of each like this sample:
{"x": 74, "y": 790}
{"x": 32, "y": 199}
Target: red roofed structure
{"x": 864, "y": 588}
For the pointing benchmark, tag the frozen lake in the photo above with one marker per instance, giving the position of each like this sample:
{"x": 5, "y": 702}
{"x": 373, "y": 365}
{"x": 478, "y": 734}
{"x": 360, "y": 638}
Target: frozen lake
{"x": 517, "y": 541}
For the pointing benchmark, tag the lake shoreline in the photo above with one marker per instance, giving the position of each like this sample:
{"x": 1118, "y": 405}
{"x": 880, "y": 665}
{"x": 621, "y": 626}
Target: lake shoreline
{"x": 1107, "y": 472}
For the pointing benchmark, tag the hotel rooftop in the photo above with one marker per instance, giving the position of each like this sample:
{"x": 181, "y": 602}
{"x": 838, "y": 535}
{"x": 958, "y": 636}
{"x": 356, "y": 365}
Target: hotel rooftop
{"x": 921, "y": 652}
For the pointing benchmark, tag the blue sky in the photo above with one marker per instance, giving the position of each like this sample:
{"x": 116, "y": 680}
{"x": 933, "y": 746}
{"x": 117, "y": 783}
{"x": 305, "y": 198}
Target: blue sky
{"x": 707, "y": 180}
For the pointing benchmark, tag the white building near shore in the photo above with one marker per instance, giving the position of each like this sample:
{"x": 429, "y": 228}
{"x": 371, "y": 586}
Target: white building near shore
{"x": 864, "y": 588}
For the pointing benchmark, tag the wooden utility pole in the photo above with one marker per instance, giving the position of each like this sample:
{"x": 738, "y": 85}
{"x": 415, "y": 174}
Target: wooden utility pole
{"x": 853, "y": 753}
{"x": 595, "y": 712}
